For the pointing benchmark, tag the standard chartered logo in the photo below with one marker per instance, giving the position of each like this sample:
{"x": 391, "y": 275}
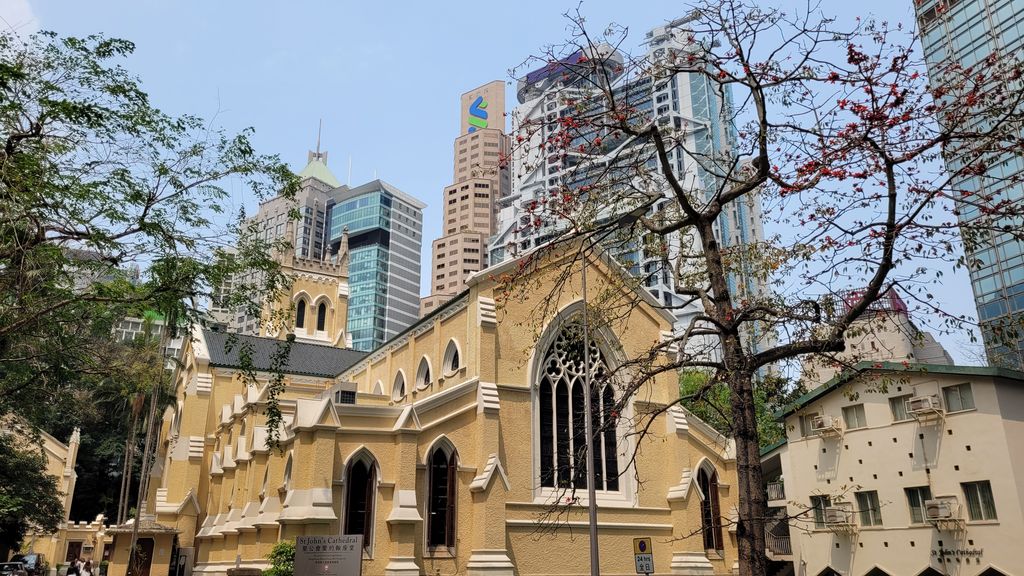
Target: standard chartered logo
{"x": 477, "y": 114}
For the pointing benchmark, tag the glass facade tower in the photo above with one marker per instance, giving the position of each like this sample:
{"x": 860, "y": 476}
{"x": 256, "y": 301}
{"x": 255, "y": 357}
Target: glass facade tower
{"x": 965, "y": 33}
{"x": 385, "y": 233}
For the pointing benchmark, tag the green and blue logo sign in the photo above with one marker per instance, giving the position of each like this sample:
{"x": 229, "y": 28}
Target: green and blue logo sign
{"x": 477, "y": 114}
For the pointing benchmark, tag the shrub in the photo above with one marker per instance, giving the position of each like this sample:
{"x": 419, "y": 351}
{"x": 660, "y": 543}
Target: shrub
{"x": 282, "y": 559}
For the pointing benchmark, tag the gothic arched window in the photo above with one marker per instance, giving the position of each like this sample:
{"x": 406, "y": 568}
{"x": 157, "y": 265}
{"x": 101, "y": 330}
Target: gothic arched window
{"x": 360, "y": 486}
{"x": 398, "y": 388}
{"x": 300, "y": 314}
{"x": 288, "y": 473}
{"x": 452, "y": 362}
{"x": 710, "y": 513}
{"x": 441, "y": 498}
{"x": 562, "y": 412}
{"x": 321, "y": 317}
{"x": 423, "y": 374}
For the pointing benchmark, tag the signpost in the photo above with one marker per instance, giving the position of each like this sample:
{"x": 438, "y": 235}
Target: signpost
{"x": 643, "y": 554}
{"x": 329, "y": 555}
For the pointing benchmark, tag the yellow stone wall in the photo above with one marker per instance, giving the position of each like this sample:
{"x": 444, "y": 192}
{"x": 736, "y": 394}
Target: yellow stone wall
{"x": 61, "y": 459}
{"x": 484, "y": 408}
{"x": 314, "y": 282}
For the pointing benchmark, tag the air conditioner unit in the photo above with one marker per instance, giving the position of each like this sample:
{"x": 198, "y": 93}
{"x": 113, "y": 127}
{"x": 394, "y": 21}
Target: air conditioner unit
{"x": 938, "y": 509}
{"x": 923, "y": 404}
{"x": 837, "y": 516}
{"x": 821, "y": 423}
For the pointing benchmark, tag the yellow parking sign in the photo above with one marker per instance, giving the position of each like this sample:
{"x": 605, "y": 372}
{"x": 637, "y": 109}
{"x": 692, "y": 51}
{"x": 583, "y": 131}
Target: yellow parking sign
{"x": 643, "y": 554}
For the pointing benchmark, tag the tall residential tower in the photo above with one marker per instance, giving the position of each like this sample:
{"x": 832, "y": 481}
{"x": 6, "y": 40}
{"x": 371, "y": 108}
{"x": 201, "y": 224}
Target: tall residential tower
{"x": 689, "y": 106}
{"x": 469, "y": 202}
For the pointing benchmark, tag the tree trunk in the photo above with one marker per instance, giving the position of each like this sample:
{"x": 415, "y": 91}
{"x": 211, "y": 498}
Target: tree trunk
{"x": 750, "y": 533}
{"x": 151, "y": 429}
{"x": 129, "y": 461}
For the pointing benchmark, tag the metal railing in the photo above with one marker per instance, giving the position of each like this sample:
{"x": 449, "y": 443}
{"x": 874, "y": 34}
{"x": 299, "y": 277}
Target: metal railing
{"x": 778, "y": 544}
{"x": 776, "y": 491}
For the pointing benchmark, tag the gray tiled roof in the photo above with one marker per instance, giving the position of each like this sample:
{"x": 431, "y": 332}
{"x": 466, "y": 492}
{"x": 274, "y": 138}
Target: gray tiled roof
{"x": 304, "y": 359}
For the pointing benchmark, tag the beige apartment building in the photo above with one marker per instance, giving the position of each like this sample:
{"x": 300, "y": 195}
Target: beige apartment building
{"x": 901, "y": 464}
{"x": 468, "y": 204}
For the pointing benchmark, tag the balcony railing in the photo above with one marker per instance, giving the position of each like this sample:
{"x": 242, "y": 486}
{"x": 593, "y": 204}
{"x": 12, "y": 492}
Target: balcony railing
{"x": 778, "y": 544}
{"x": 776, "y": 491}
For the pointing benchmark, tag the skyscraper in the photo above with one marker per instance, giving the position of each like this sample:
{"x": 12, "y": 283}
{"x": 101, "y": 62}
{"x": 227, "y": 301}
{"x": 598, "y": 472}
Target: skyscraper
{"x": 384, "y": 228}
{"x": 385, "y": 233}
{"x": 469, "y": 203}
{"x": 689, "y": 105}
{"x": 308, "y": 235}
{"x": 965, "y": 33}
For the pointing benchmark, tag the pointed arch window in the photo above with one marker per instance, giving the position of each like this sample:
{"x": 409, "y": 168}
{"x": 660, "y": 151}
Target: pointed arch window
{"x": 300, "y": 314}
{"x": 423, "y": 374}
{"x": 360, "y": 491}
{"x": 441, "y": 498}
{"x": 398, "y": 388}
{"x": 710, "y": 512}
{"x": 452, "y": 362}
{"x": 563, "y": 412}
{"x": 321, "y": 317}
{"x": 288, "y": 473}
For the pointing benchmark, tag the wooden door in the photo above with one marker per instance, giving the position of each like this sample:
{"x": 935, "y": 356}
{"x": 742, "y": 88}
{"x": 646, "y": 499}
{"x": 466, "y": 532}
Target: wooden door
{"x": 74, "y": 551}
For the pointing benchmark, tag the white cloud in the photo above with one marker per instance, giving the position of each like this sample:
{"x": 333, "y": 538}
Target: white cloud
{"x": 17, "y": 15}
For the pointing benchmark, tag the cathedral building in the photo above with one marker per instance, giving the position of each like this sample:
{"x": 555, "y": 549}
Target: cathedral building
{"x": 453, "y": 448}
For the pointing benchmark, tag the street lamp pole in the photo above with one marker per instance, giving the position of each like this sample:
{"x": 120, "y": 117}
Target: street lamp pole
{"x": 595, "y": 560}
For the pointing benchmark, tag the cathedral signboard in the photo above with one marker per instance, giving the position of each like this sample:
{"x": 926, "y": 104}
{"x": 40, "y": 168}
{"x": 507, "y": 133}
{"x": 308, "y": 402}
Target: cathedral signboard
{"x": 329, "y": 555}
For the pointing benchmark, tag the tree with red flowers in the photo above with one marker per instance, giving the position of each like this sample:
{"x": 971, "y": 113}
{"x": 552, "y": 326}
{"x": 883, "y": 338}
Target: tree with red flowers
{"x": 839, "y": 138}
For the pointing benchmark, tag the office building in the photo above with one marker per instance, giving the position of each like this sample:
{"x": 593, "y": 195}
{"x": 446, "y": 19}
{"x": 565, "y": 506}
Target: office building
{"x": 384, "y": 229}
{"x": 152, "y": 326}
{"x": 966, "y": 33}
{"x": 480, "y": 177}
{"x": 688, "y": 106}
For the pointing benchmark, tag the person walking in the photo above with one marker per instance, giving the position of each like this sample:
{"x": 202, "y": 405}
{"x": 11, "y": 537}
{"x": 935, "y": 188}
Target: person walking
{"x": 87, "y": 569}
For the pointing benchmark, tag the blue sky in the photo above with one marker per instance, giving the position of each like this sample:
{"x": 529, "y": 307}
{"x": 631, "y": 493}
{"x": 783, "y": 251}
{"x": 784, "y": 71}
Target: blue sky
{"x": 385, "y": 77}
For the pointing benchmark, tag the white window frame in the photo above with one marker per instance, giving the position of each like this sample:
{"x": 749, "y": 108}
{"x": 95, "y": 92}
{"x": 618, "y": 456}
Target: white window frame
{"x": 869, "y": 509}
{"x": 901, "y": 401}
{"x": 958, "y": 390}
{"x": 973, "y": 490}
{"x": 857, "y": 410}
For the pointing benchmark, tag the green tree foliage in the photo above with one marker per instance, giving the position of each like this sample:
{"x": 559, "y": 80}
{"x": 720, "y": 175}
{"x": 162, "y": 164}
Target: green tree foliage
{"x": 709, "y": 401}
{"x": 29, "y": 497}
{"x": 282, "y": 559}
{"x": 108, "y": 208}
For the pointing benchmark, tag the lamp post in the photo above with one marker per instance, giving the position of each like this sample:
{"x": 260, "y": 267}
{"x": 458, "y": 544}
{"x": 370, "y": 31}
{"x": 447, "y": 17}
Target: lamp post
{"x": 627, "y": 219}
{"x": 595, "y": 559}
